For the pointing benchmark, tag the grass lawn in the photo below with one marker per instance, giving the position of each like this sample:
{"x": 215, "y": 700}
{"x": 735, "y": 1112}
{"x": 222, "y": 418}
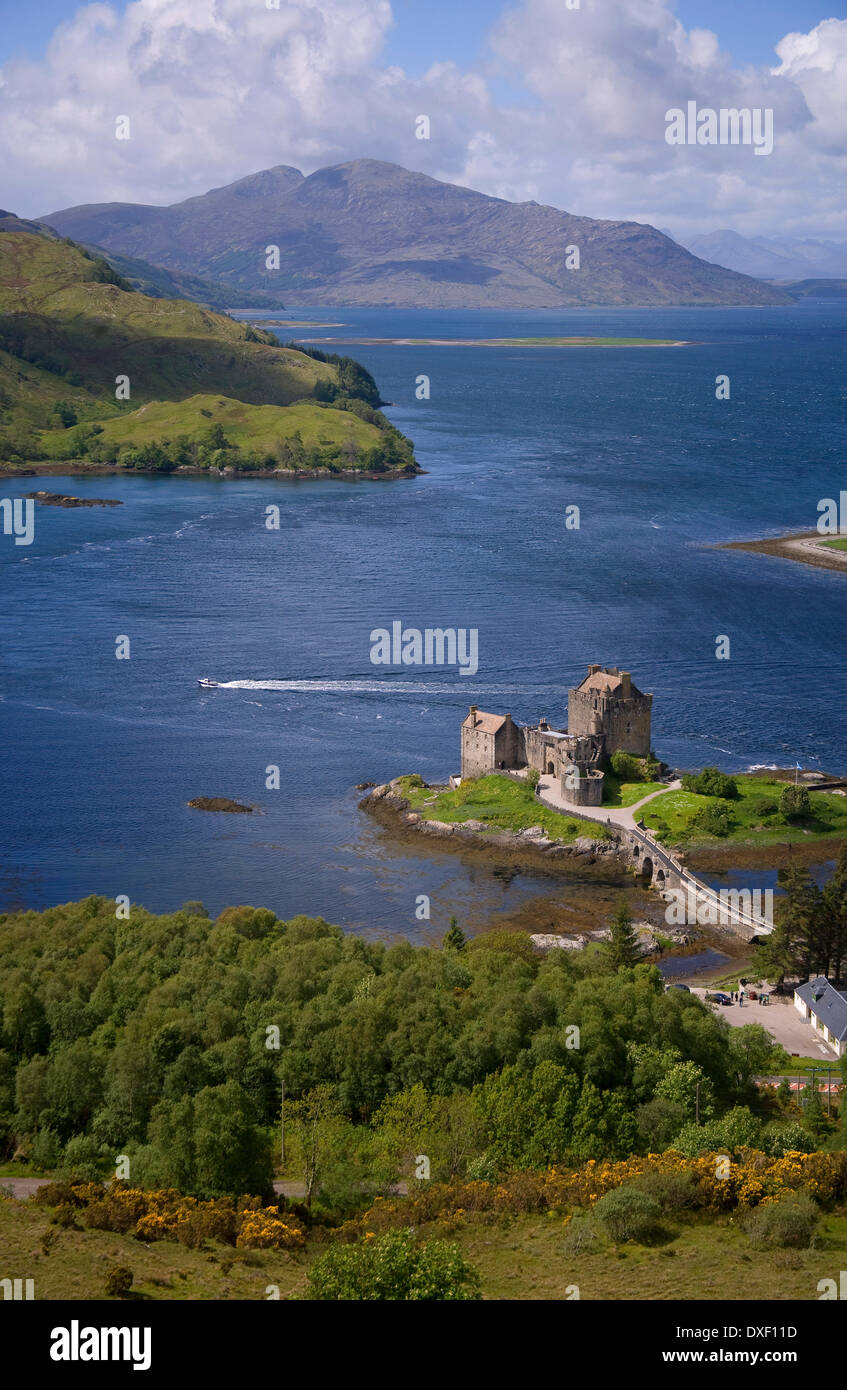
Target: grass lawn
{"x": 501, "y": 802}
{"x": 617, "y": 793}
{"x": 754, "y": 822}
{"x": 839, "y": 544}
{"x": 523, "y": 1258}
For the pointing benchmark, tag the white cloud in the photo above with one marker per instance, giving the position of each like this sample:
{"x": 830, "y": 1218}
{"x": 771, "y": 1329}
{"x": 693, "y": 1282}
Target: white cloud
{"x": 216, "y": 89}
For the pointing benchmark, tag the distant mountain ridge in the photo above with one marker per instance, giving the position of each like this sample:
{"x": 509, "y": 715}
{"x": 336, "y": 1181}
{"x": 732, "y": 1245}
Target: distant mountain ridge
{"x": 371, "y": 233}
{"x": 771, "y": 258}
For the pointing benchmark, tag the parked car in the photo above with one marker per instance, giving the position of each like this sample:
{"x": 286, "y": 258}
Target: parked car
{"x": 684, "y": 987}
{"x": 721, "y": 998}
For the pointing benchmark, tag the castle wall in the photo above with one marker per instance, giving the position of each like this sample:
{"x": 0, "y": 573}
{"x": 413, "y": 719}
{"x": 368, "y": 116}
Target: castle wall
{"x": 588, "y": 791}
{"x": 477, "y": 753}
{"x": 483, "y": 752}
{"x": 627, "y": 725}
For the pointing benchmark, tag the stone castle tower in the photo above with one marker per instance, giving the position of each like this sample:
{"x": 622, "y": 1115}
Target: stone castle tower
{"x": 607, "y": 703}
{"x": 606, "y": 714}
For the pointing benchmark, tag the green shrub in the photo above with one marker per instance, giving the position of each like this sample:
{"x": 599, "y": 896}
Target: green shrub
{"x": 628, "y": 1214}
{"x": 716, "y": 819}
{"x": 65, "y": 1216}
{"x": 482, "y": 1169}
{"x": 393, "y": 1266}
{"x": 780, "y": 1138}
{"x": 581, "y": 1236}
{"x": 673, "y": 1191}
{"x": 711, "y": 782}
{"x": 795, "y": 803}
{"x": 119, "y": 1281}
{"x": 790, "y": 1221}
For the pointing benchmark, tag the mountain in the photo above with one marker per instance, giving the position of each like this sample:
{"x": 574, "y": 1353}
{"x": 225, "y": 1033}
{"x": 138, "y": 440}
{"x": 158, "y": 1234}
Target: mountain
{"x": 72, "y": 329}
{"x": 374, "y": 233}
{"x": 771, "y": 258}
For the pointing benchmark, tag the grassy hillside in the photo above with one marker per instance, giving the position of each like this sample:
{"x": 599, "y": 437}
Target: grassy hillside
{"x": 70, "y": 326}
{"x": 519, "y": 1258}
{"x": 681, "y": 1241}
{"x": 247, "y": 427}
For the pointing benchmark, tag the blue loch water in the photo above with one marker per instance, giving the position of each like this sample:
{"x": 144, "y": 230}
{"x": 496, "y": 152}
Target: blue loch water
{"x": 100, "y": 756}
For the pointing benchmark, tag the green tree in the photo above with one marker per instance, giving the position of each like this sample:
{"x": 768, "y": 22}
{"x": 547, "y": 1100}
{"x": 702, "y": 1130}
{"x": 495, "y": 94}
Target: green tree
{"x": 683, "y": 1084}
{"x": 626, "y": 767}
{"x": 455, "y": 939}
{"x": 833, "y": 926}
{"x": 65, "y": 414}
{"x": 794, "y": 946}
{"x": 603, "y": 1126}
{"x": 623, "y": 946}
{"x": 738, "y": 1129}
{"x": 528, "y": 1115}
{"x": 74, "y": 1087}
{"x": 753, "y": 1052}
{"x": 317, "y": 1130}
{"x": 446, "y": 1130}
{"x": 209, "y": 1145}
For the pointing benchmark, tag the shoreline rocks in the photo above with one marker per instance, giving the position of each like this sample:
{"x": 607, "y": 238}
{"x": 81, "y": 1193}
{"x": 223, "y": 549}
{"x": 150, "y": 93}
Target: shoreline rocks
{"x": 61, "y": 499}
{"x": 387, "y": 802}
{"x": 220, "y": 803}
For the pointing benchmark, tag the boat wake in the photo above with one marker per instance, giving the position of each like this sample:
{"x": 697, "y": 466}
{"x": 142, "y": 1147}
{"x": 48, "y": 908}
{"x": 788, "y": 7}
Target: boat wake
{"x": 365, "y": 687}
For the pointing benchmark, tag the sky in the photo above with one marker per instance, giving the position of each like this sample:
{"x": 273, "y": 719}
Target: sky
{"x": 561, "y": 101}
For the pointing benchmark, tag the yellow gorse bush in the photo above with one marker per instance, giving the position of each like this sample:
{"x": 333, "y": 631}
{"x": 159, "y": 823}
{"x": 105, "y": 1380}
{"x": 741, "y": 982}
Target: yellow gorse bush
{"x": 166, "y": 1214}
{"x": 720, "y": 1184}
{"x": 262, "y": 1230}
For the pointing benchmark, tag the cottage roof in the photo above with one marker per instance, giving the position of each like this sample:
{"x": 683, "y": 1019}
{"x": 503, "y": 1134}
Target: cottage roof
{"x": 484, "y": 723}
{"x": 827, "y": 1004}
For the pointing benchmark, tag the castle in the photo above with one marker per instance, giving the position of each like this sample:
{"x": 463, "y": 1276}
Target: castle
{"x": 606, "y": 713}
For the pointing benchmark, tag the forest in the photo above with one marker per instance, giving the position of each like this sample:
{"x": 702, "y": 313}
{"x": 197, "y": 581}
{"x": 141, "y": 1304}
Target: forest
{"x": 163, "y": 1043}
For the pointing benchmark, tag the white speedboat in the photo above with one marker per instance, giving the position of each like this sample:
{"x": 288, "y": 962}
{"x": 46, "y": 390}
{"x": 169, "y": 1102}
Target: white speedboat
{"x": 207, "y": 684}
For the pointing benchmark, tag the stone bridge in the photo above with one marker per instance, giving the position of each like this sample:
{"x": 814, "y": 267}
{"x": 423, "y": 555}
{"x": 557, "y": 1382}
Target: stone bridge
{"x": 660, "y": 868}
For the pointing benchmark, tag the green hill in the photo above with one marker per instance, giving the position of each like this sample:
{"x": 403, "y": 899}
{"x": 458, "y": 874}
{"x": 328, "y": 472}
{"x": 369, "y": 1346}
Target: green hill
{"x": 71, "y": 327}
